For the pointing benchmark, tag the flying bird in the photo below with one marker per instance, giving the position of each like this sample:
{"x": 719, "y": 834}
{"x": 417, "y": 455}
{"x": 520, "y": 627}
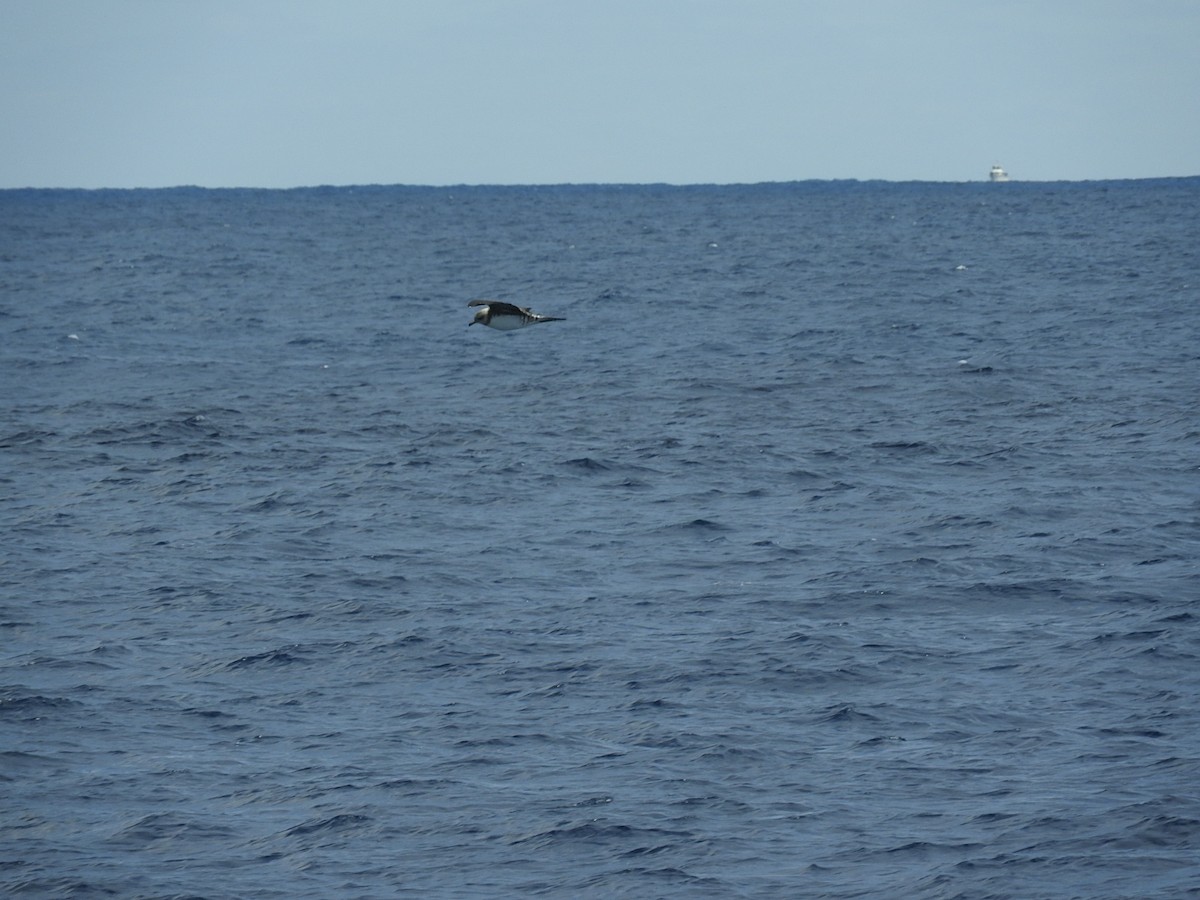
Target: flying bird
{"x": 505, "y": 316}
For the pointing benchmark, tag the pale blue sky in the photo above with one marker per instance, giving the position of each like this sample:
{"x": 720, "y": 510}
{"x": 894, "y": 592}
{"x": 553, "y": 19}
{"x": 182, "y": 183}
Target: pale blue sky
{"x": 281, "y": 93}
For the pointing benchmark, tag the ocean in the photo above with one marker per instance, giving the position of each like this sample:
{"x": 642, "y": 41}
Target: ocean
{"x": 843, "y": 541}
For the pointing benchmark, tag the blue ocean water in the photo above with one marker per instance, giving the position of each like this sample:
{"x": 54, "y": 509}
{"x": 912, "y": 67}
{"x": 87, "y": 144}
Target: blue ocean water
{"x": 844, "y": 541}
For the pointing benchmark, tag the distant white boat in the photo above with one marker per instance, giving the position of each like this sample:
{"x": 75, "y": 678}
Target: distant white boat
{"x": 998, "y": 174}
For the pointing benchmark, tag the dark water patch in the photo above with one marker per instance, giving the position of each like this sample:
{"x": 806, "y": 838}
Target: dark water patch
{"x": 588, "y": 464}
{"x": 20, "y": 704}
{"x": 284, "y": 656}
{"x": 594, "y": 832}
{"x": 167, "y": 828}
{"x": 336, "y": 824}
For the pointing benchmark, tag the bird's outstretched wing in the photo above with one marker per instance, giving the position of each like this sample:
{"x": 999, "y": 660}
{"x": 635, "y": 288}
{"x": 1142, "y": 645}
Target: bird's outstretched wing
{"x": 499, "y": 308}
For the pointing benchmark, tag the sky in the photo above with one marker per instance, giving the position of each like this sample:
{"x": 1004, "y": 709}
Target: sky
{"x": 288, "y": 93}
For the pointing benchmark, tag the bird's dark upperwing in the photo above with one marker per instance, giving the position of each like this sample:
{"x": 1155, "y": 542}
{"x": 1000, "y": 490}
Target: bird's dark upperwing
{"x": 498, "y": 308}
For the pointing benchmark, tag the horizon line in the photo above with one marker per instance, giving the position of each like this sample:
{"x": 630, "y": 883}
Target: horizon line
{"x": 588, "y": 184}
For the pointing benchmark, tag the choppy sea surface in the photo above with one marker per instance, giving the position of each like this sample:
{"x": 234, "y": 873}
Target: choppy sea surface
{"x": 843, "y": 541}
